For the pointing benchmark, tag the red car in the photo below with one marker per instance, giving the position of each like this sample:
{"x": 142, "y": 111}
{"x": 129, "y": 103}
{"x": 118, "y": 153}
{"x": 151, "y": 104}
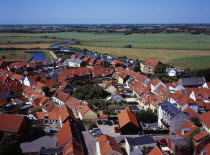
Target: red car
{"x": 116, "y": 129}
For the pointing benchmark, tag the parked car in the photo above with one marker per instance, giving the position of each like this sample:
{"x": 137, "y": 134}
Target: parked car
{"x": 116, "y": 129}
{"x": 109, "y": 123}
{"x": 115, "y": 121}
{"x": 93, "y": 127}
{"x": 104, "y": 122}
{"x": 97, "y": 132}
{"x": 99, "y": 122}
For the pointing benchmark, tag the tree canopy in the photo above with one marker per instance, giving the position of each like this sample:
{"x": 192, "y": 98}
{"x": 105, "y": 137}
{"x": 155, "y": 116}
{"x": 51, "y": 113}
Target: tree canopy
{"x": 89, "y": 92}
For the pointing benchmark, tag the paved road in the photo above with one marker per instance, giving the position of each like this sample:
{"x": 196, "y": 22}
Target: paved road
{"x": 90, "y": 142}
{"x": 53, "y": 54}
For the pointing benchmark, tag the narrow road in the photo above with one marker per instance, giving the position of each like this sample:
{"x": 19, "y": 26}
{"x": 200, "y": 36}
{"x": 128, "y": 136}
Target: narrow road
{"x": 53, "y": 54}
{"x": 90, "y": 143}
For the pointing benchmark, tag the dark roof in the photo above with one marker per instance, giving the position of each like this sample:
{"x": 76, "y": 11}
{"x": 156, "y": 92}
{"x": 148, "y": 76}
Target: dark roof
{"x": 178, "y": 141}
{"x": 169, "y": 108}
{"x": 50, "y": 150}
{"x": 192, "y": 81}
{"x": 142, "y": 140}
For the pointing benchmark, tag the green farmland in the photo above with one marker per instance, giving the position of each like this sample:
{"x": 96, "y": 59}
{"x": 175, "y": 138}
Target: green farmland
{"x": 178, "y": 49}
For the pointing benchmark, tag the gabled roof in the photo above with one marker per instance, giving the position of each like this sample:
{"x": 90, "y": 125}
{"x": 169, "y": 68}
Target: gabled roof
{"x": 141, "y": 140}
{"x": 73, "y": 103}
{"x": 155, "y": 151}
{"x": 190, "y": 126}
{"x": 107, "y": 144}
{"x": 32, "y": 78}
{"x": 199, "y": 136}
{"x": 51, "y": 115}
{"x": 84, "y": 109}
{"x": 151, "y": 62}
{"x": 206, "y": 149}
{"x": 169, "y": 108}
{"x": 126, "y": 116}
{"x": 191, "y": 113}
{"x": 192, "y": 81}
{"x": 205, "y": 118}
{"x": 64, "y": 134}
{"x": 17, "y": 76}
{"x": 61, "y": 95}
{"x": 65, "y": 112}
{"x": 10, "y": 123}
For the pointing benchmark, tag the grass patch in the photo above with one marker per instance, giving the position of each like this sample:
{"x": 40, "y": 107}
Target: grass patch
{"x": 16, "y": 55}
{"x": 27, "y": 46}
{"x": 87, "y": 36}
{"x": 184, "y": 46}
{"x": 15, "y": 38}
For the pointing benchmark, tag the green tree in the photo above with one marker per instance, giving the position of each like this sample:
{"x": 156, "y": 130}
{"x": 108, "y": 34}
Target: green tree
{"x": 146, "y": 116}
{"x": 196, "y": 121}
{"x": 136, "y": 68}
{"x": 46, "y": 90}
{"x": 38, "y": 78}
{"x": 160, "y": 68}
{"x": 10, "y": 144}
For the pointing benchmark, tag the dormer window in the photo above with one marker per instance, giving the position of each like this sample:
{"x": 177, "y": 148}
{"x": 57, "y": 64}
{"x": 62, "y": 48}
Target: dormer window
{"x": 199, "y": 95}
{"x": 185, "y": 130}
{"x": 203, "y": 152}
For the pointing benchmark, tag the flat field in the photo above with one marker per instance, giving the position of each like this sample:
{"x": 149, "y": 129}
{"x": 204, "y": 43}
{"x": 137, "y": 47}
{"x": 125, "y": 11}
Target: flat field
{"x": 177, "y": 49}
{"x": 194, "y": 59}
{"x": 154, "y": 45}
{"x": 15, "y": 55}
{"x": 87, "y": 36}
{"x": 27, "y": 46}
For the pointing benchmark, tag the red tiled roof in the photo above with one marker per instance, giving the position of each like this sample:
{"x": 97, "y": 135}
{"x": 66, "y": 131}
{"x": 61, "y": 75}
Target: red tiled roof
{"x": 107, "y": 144}
{"x": 65, "y": 112}
{"x": 98, "y": 72}
{"x": 207, "y": 149}
{"x": 32, "y": 78}
{"x": 151, "y": 62}
{"x": 92, "y": 61}
{"x": 61, "y": 95}
{"x": 73, "y": 103}
{"x": 202, "y": 134}
{"x": 155, "y": 151}
{"x": 190, "y": 125}
{"x": 3, "y": 101}
{"x": 73, "y": 56}
{"x": 51, "y": 115}
{"x": 117, "y": 62}
{"x": 205, "y": 118}
{"x": 10, "y": 123}
{"x": 3, "y": 78}
{"x": 84, "y": 109}
{"x": 126, "y": 116}
{"x": 17, "y": 76}
{"x": 64, "y": 134}
{"x": 191, "y": 113}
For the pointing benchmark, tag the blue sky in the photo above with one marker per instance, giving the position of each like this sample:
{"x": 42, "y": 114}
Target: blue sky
{"x": 104, "y": 11}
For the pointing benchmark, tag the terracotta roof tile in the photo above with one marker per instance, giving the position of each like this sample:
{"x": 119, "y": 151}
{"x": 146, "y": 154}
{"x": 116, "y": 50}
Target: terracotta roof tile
{"x": 191, "y": 113}
{"x": 10, "y": 123}
{"x": 107, "y": 144}
{"x": 125, "y": 117}
{"x": 205, "y": 118}
{"x": 188, "y": 125}
{"x": 155, "y": 151}
{"x": 51, "y": 115}
{"x": 151, "y": 62}
{"x": 65, "y": 112}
